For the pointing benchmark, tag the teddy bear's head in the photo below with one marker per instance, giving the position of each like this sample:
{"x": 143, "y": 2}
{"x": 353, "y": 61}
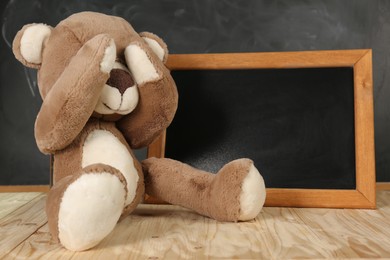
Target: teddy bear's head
{"x": 139, "y": 59}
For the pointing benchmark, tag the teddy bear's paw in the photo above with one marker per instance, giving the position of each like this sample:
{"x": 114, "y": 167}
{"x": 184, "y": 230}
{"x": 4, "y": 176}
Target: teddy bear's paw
{"x": 140, "y": 64}
{"x": 109, "y": 57}
{"x": 89, "y": 209}
{"x": 252, "y": 195}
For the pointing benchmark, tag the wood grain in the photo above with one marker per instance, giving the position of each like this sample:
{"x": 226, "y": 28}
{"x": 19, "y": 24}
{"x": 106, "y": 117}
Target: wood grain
{"x": 364, "y": 127}
{"x": 265, "y": 60}
{"x": 383, "y": 185}
{"x": 11, "y": 201}
{"x": 316, "y": 198}
{"x": 171, "y": 232}
{"x": 21, "y": 223}
{"x": 25, "y": 188}
{"x": 157, "y": 147}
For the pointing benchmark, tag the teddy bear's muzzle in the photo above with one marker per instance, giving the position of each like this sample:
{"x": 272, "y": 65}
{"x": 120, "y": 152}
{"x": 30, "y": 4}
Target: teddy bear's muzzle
{"x": 119, "y": 94}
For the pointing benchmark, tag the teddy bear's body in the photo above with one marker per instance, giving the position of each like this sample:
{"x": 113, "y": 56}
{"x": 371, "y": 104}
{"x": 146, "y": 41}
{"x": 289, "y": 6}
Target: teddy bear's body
{"x": 106, "y": 91}
{"x": 101, "y": 143}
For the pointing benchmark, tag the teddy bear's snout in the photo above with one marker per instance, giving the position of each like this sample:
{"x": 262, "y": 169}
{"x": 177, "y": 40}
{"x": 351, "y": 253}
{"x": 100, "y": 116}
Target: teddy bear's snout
{"x": 120, "y": 93}
{"x": 120, "y": 80}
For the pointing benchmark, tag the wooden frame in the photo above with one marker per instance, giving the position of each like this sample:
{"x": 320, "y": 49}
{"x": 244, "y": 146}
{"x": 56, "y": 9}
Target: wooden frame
{"x": 24, "y": 188}
{"x": 361, "y": 61}
{"x": 383, "y": 185}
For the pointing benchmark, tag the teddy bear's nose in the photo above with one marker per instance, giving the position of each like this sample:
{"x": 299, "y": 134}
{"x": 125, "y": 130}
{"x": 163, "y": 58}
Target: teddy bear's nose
{"x": 120, "y": 79}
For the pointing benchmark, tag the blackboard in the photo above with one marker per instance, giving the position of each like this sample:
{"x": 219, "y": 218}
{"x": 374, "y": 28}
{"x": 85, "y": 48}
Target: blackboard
{"x": 305, "y": 118}
{"x": 194, "y": 26}
{"x": 296, "y": 124}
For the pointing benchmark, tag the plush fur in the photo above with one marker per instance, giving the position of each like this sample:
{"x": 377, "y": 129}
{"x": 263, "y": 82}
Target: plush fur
{"x": 214, "y": 195}
{"x": 101, "y": 198}
{"x": 106, "y": 90}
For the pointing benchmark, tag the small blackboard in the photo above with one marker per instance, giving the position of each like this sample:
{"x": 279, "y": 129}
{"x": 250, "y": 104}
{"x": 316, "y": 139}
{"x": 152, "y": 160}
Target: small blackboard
{"x": 296, "y": 115}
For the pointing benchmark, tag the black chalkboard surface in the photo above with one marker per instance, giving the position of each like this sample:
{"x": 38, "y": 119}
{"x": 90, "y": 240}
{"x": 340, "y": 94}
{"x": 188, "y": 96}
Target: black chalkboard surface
{"x": 296, "y": 124}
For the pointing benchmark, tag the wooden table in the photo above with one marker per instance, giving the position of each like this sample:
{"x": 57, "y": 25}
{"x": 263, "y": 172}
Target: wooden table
{"x": 171, "y": 232}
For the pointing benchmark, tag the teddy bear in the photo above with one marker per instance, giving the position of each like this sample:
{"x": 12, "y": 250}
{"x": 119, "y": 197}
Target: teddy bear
{"x": 105, "y": 91}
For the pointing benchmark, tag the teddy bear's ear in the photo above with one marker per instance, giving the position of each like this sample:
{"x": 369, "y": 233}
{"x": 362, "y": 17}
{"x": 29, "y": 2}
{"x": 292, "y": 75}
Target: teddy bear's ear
{"x": 156, "y": 44}
{"x": 29, "y": 43}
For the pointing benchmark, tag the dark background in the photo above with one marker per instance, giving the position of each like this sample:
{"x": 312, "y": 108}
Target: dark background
{"x": 297, "y": 125}
{"x": 197, "y": 26}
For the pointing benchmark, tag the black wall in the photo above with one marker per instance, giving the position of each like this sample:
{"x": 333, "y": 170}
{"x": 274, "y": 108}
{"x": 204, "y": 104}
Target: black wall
{"x": 197, "y": 26}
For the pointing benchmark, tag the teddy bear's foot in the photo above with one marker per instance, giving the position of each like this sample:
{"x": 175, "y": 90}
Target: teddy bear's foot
{"x": 241, "y": 173}
{"x": 235, "y": 193}
{"x": 82, "y": 210}
{"x": 252, "y": 196}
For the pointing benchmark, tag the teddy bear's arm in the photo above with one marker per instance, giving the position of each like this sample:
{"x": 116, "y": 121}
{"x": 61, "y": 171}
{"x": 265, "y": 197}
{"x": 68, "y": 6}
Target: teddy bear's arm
{"x": 72, "y": 99}
{"x": 158, "y": 97}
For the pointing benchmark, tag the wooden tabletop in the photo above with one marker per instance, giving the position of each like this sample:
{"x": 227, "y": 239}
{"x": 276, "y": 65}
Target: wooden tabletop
{"x": 171, "y": 232}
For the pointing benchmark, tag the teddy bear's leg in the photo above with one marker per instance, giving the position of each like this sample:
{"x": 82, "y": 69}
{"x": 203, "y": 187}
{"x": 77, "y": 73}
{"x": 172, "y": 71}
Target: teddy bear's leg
{"x": 236, "y": 192}
{"x": 83, "y": 209}
{"x": 107, "y": 146}
{"x": 97, "y": 180}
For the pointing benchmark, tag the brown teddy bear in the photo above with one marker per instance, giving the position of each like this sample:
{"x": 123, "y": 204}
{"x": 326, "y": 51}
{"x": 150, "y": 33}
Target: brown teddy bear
{"x": 106, "y": 91}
